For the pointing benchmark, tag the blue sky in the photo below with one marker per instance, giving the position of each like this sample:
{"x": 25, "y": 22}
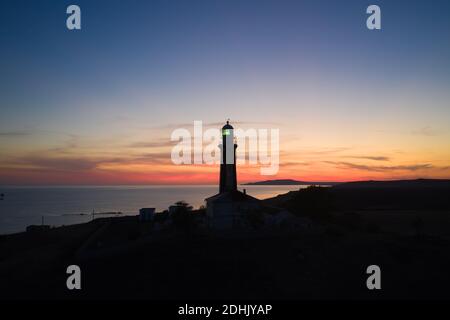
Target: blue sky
{"x": 307, "y": 64}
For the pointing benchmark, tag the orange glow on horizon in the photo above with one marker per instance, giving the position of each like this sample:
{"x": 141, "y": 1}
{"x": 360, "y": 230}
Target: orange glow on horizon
{"x": 167, "y": 174}
{"x": 110, "y": 162}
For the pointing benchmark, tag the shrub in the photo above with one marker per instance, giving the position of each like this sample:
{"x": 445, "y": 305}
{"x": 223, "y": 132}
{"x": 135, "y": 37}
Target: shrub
{"x": 315, "y": 202}
{"x": 183, "y": 218}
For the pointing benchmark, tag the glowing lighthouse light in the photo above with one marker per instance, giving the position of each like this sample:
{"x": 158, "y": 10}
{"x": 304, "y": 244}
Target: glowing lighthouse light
{"x": 228, "y": 179}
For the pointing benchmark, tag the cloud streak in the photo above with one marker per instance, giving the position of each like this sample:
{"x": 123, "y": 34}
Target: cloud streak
{"x": 152, "y": 144}
{"x": 215, "y": 124}
{"x": 375, "y": 158}
{"x": 426, "y": 131}
{"x": 350, "y": 165}
{"x": 12, "y": 134}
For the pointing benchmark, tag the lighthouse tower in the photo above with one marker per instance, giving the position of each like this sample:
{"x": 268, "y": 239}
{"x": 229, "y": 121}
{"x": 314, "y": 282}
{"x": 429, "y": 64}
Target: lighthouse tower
{"x": 229, "y": 208}
{"x": 228, "y": 179}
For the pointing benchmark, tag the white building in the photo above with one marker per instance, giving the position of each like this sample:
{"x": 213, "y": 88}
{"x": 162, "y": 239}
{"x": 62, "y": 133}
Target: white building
{"x": 229, "y": 209}
{"x": 146, "y": 214}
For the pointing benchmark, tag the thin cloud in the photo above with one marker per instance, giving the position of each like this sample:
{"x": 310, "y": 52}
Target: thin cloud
{"x": 213, "y": 124}
{"x": 59, "y": 164}
{"x": 316, "y": 152}
{"x": 294, "y": 164}
{"x": 375, "y": 158}
{"x": 19, "y": 133}
{"x": 151, "y": 144}
{"x": 81, "y": 164}
{"x": 351, "y": 165}
{"x": 71, "y": 143}
{"x": 426, "y": 131}
{"x": 242, "y": 123}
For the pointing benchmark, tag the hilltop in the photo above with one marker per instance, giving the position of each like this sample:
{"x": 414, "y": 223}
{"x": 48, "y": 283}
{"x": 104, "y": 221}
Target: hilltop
{"x": 417, "y": 183}
{"x": 420, "y": 194}
{"x": 285, "y": 182}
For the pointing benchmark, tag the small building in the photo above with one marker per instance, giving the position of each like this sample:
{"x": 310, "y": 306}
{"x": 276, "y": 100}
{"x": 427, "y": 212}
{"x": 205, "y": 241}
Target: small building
{"x": 174, "y": 209}
{"x": 146, "y": 214}
{"x": 229, "y": 209}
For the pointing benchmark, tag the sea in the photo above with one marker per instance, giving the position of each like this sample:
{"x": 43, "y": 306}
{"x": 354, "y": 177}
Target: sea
{"x": 66, "y": 205}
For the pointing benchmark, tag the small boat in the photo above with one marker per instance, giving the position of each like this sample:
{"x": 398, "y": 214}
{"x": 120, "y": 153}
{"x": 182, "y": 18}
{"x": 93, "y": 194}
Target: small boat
{"x": 2, "y": 196}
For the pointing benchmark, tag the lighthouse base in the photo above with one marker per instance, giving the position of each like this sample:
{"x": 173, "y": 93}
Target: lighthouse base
{"x": 229, "y": 209}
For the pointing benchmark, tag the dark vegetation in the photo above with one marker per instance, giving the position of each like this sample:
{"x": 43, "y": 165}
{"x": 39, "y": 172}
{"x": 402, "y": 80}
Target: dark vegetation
{"x": 314, "y": 202}
{"x": 420, "y": 195}
{"x": 344, "y": 203}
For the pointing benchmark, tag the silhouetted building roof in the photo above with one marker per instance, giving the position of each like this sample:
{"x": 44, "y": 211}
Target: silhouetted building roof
{"x": 233, "y": 196}
{"x": 227, "y": 126}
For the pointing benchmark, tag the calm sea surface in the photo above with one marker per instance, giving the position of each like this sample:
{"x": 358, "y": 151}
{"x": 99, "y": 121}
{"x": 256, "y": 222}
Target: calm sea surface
{"x": 23, "y": 206}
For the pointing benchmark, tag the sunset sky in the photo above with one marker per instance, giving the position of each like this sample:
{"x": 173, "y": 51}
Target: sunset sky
{"x": 98, "y": 105}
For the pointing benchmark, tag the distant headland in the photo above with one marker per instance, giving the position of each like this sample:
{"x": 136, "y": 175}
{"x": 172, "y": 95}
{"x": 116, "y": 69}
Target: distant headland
{"x": 358, "y": 184}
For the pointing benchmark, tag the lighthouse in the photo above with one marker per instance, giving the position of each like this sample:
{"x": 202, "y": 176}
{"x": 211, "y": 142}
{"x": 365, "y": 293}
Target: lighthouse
{"x": 229, "y": 208}
{"x": 228, "y": 179}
